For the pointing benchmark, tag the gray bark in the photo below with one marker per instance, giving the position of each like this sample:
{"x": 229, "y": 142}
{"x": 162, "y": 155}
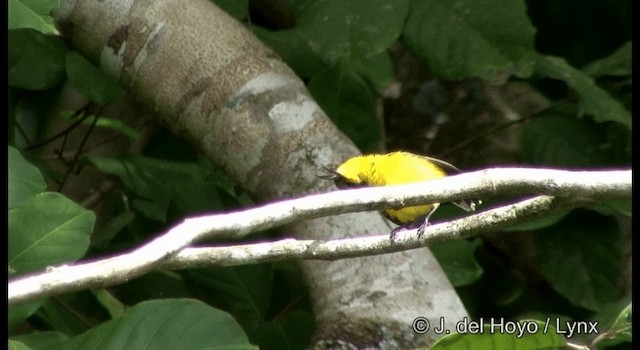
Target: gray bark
{"x": 214, "y": 84}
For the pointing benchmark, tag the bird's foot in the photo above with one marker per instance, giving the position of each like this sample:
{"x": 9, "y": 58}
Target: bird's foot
{"x": 420, "y": 225}
{"x": 394, "y": 233}
{"x": 423, "y": 227}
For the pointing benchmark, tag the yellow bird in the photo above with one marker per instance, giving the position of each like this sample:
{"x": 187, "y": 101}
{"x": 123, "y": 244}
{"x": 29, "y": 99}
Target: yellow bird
{"x": 394, "y": 169}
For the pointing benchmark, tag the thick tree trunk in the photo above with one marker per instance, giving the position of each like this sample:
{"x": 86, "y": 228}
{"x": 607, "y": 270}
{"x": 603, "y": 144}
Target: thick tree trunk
{"x": 213, "y": 83}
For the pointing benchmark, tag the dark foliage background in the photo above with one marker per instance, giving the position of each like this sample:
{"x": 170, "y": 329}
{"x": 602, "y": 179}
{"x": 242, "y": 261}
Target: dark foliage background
{"x": 478, "y": 83}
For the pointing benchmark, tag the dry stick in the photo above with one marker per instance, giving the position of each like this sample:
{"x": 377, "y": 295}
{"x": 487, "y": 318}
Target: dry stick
{"x": 579, "y": 188}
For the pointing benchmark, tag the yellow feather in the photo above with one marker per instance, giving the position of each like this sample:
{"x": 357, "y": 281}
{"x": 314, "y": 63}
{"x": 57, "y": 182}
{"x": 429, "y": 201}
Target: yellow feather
{"x": 394, "y": 169}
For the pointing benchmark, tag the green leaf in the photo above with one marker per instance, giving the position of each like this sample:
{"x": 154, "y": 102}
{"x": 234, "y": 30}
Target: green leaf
{"x": 143, "y": 177}
{"x": 109, "y": 302}
{"x": 346, "y": 98}
{"x": 159, "y": 183}
{"x": 235, "y": 8}
{"x": 508, "y": 336}
{"x": 491, "y": 39}
{"x": 16, "y": 345}
{"x": 90, "y": 81}
{"x": 556, "y": 137}
{"x": 41, "y": 340}
{"x": 353, "y": 29}
{"x": 61, "y": 313}
{"x": 102, "y": 122}
{"x": 595, "y": 101}
{"x": 19, "y": 313}
{"x": 581, "y": 258}
{"x": 621, "y": 327}
{"x": 620, "y": 206}
{"x": 377, "y": 71}
{"x": 623, "y": 205}
{"x": 47, "y": 230}
{"x": 294, "y": 48}
{"x": 32, "y": 14}
{"x": 458, "y": 261}
{"x": 165, "y": 324}
{"x": 116, "y": 125}
{"x": 116, "y": 224}
{"x": 616, "y": 64}
{"x": 243, "y": 291}
{"x": 614, "y": 324}
{"x": 331, "y": 31}
{"x": 36, "y": 60}
{"x": 25, "y": 180}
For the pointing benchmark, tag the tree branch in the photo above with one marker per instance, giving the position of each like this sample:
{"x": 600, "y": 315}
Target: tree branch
{"x": 290, "y": 248}
{"x": 560, "y": 190}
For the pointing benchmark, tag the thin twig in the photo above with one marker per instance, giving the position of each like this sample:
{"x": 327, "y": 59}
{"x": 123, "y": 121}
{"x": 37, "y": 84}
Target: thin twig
{"x": 65, "y": 131}
{"x": 72, "y": 164}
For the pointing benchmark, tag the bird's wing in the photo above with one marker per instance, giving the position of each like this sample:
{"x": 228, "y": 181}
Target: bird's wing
{"x": 465, "y": 204}
{"x": 443, "y": 164}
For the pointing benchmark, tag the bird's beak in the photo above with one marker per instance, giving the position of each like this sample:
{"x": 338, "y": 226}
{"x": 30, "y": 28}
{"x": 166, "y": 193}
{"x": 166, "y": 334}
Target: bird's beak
{"x": 330, "y": 175}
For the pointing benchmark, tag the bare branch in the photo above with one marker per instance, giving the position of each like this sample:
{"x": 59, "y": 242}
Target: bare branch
{"x": 289, "y": 248}
{"x": 568, "y": 188}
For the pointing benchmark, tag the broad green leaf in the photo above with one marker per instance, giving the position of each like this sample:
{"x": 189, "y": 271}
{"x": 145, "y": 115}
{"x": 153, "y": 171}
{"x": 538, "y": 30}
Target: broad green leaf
{"x": 165, "y": 324}
{"x": 243, "y": 291}
{"x": 117, "y": 223}
{"x": 157, "y": 184}
{"x": 595, "y": 101}
{"x": 621, "y": 327}
{"x": 41, "y": 340}
{"x": 615, "y": 319}
{"x": 90, "y": 81}
{"x": 616, "y": 64}
{"x": 332, "y": 31}
{"x": 620, "y": 206}
{"x": 294, "y": 48}
{"x": 32, "y": 14}
{"x": 490, "y": 39}
{"x": 36, "y": 60}
{"x": 61, "y": 313}
{"x": 458, "y": 261}
{"x": 143, "y": 176}
{"x": 16, "y": 345}
{"x": 346, "y": 98}
{"x": 501, "y": 335}
{"x": 623, "y": 318}
{"x": 351, "y": 29}
{"x": 25, "y": 180}
{"x": 47, "y": 230}
{"x": 19, "y": 313}
{"x": 557, "y": 137}
{"x": 581, "y": 258}
{"x": 377, "y": 71}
